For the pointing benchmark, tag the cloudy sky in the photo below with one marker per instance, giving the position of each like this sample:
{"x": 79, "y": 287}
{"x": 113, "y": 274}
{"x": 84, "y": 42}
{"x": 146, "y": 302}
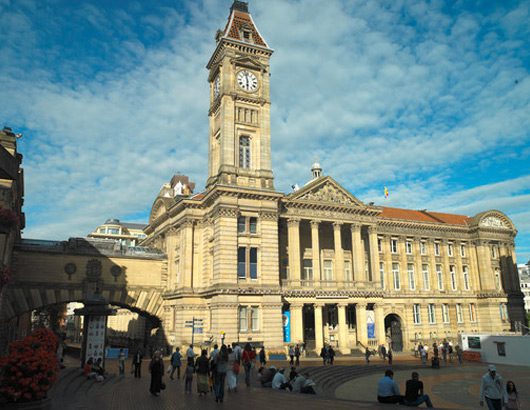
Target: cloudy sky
{"x": 431, "y": 99}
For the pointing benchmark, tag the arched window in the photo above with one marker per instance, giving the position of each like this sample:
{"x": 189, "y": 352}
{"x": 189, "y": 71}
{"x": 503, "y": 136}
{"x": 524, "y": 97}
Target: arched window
{"x": 244, "y": 152}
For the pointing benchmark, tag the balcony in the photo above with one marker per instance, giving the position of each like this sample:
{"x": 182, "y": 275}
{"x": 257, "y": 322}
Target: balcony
{"x": 329, "y": 284}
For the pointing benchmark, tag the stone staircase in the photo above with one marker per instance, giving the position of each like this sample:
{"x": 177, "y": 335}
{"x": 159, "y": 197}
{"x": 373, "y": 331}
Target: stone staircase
{"x": 328, "y": 378}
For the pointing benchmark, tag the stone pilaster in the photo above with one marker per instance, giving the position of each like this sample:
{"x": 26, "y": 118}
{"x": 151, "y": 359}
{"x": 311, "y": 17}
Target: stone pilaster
{"x": 380, "y": 324}
{"x": 315, "y": 247}
{"x": 294, "y": 251}
{"x": 319, "y": 330}
{"x": 344, "y": 345}
{"x": 339, "y": 255}
{"x": 358, "y": 253}
{"x": 360, "y": 319}
{"x": 374, "y": 255}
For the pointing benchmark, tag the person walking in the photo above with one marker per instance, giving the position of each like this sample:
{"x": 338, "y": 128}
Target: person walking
{"x": 390, "y": 356}
{"x": 262, "y": 357}
{"x": 190, "y": 353}
{"x": 220, "y": 374}
{"x": 137, "y": 363}
{"x": 176, "y": 362}
{"x": 121, "y": 362}
{"x": 331, "y": 355}
{"x": 423, "y": 354}
{"x": 491, "y": 389}
{"x": 324, "y": 355}
{"x": 414, "y": 393}
{"x": 233, "y": 371}
{"x": 367, "y": 354}
{"x": 459, "y": 354}
{"x": 188, "y": 376}
{"x": 297, "y": 355}
{"x": 156, "y": 367}
{"x": 247, "y": 357}
{"x": 383, "y": 352}
{"x": 511, "y": 398}
{"x": 291, "y": 355}
{"x": 203, "y": 367}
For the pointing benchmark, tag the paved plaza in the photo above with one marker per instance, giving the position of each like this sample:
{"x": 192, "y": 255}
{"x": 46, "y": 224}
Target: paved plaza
{"x": 349, "y": 384}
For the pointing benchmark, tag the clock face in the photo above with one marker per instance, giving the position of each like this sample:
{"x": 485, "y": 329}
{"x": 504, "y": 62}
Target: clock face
{"x": 247, "y": 80}
{"x": 216, "y": 86}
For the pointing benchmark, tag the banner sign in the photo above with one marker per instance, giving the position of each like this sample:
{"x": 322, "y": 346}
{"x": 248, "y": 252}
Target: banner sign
{"x": 370, "y": 324}
{"x": 287, "y": 326}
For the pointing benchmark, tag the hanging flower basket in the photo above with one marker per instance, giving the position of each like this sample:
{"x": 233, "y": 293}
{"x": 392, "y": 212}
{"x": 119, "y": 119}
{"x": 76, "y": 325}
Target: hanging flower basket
{"x": 29, "y": 370}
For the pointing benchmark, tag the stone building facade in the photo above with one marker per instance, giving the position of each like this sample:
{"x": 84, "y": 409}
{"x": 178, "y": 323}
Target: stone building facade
{"x": 245, "y": 258}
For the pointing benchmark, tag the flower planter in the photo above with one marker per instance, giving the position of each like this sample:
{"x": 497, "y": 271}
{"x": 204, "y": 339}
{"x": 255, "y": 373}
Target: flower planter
{"x": 44, "y": 404}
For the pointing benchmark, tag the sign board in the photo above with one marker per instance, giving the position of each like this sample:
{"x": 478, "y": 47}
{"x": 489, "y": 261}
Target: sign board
{"x": 287, "y": 326}
{"x": 95, "y": 339}
{"x": 370, "y": 324}
{"x": 473, "y": 342}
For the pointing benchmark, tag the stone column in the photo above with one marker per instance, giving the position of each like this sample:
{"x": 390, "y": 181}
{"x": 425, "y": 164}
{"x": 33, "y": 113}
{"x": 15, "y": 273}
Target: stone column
{"x": 297, "y": 330}
{"x": 459, "y": 267}
{"x": 380, "y": 324}
{"x": 432, "y": 265}
{"x": 319, "y": 331}
{"x": 187, "y": 253}
{"x": 374, "y": 255}
{"x": 344, "y": 342}
{"x": 358, "y": 253}
{"x": 360, "y": 319}
{"x": 445, "y": 266}
{"x": 387, "y": 255}
{"x": 339, "y": 255}
{"x": 472, "y": 255}
{"x": 315, "y": 247}
{"x": 484, "y": 265}
{"x": 294, "y": 251}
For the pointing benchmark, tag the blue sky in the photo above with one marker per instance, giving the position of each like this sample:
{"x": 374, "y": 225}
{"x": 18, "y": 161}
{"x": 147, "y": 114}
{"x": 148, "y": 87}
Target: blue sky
{"x": 431, "y": 99}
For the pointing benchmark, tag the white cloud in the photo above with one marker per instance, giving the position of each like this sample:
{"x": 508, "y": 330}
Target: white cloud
{"x": 399, "y": 93}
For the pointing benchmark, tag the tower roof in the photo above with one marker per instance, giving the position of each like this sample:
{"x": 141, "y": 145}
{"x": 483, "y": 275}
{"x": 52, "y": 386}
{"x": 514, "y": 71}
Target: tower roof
{"x": 240, "y": 22}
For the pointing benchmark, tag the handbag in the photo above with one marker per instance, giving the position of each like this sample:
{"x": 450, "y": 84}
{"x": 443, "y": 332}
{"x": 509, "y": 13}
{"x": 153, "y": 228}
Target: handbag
{"x": 236, "y": 367}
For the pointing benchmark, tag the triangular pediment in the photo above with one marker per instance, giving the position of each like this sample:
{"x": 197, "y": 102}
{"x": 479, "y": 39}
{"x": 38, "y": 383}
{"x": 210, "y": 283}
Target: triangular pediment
{"x": 248, "y": 62}
{"x": 325, "y": 190}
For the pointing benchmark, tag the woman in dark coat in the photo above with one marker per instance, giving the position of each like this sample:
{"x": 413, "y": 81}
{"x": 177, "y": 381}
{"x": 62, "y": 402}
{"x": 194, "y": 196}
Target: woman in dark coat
{"x": 157, "y": 371}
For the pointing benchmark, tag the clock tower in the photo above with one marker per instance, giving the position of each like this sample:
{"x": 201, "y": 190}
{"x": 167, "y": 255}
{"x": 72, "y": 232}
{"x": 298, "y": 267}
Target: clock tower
{"x": 239, "y": 152}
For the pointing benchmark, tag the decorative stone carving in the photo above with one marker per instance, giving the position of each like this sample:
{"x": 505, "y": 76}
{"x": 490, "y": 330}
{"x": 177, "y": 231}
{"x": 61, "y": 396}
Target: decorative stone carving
{"x": 70, "y": 269}
{"x": 328, "y": 193}
{"x": 493, "y": 222}
{"x": 116, "y": 271}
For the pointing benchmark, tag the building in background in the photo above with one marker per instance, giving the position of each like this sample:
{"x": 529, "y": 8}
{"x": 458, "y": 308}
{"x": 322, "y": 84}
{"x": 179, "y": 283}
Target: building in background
{"x": 126, "y": 233}
{"x": 524, "y": 279}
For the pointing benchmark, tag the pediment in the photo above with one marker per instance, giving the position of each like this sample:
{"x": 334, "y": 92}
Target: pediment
{"x": 326, "y": 190}
{"x": 159, "y": 208}
{"x": 249, "y": 62}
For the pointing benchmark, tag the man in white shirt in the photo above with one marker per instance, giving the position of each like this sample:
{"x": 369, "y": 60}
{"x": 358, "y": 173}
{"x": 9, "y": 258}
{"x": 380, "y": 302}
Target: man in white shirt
{"x": 279, "y": 382}
{"x": 190, "y": 353}
{"x": 491, "y": 389}
{"x": 237, "y": 350}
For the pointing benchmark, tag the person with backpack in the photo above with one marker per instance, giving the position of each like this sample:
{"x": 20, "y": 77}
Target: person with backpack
{"x": 247, "y": 358}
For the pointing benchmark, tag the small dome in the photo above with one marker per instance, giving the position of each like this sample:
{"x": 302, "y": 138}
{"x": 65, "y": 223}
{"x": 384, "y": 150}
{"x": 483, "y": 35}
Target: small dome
{"x": 316, "y": 165}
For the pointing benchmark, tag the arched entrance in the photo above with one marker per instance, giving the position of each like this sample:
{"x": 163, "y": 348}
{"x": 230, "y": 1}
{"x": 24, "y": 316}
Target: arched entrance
{"x": 394, "y": 332}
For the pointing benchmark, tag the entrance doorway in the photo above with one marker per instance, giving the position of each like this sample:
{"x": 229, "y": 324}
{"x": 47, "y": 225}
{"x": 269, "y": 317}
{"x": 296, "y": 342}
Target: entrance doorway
{"x": 394, "y": 332}
{"x": 308, "y": 315}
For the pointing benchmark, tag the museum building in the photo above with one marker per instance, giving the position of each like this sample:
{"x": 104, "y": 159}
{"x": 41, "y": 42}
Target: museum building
{"x": 317, "y": 265}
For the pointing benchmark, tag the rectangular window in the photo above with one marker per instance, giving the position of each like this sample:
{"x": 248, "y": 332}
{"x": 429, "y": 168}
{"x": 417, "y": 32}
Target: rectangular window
{"x": 382, "y": 274}
{"x": 450, "y": 249}
{"x": 244, "y": 152}
{"x": 254, "y": 318}
{"x": 243, "y": 319}
{"x": 253, "y": 263}
{"x": 408, "y": 247}
{"x": 423, "y": 248}
{"x": 445, "y": 313}
{"x": 348, "y": 276}
{"x": 241, "y": 224}
{"x": 416, "y": 314}
{"x": 113, "y": 231}
{"x": 472, "y": 313}
{"x": 440, "y": 276}
{"x": 393, "y": 245}
{"x": 425, "y": 273}
{"x": 395, "y": 275}
{"x": 379, "y": 245}
{"x": 462, "y": 250}
{"x": 307, "y": 273}
{"x": 465, "y": 273}
{"x": 412, "y": 279}
{"x": 328, "y": 269}
{"x": 452, "y": 273}
{"x": 497, "y": 279}
{"x": 242, "y": 262}
{"x": 459, "y": 316}
{"x": 436, "y": 248}
{"x": 253, "y": 224}
{"x": 431, "y": 313}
